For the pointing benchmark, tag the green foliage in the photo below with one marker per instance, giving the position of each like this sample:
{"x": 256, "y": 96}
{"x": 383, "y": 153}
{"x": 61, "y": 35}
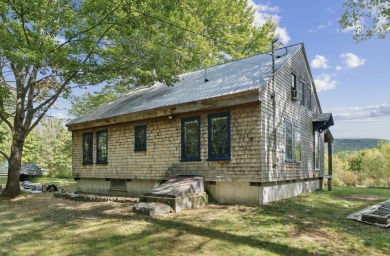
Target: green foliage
{"x": 50, "y": 147}
{"x": 368, "y": 167}
{"x": 351, "y": 145}
{"x": 367, "y": 18}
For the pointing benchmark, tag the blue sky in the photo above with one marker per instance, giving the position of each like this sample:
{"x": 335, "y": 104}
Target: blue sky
{"x": 352, "y": 79}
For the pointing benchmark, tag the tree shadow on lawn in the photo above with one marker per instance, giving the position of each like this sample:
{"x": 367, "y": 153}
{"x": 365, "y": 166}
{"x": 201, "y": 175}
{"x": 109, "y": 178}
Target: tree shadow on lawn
{"x": 156, "y": 236}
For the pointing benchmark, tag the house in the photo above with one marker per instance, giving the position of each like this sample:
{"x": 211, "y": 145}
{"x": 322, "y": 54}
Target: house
{"x": 255, "y": 135}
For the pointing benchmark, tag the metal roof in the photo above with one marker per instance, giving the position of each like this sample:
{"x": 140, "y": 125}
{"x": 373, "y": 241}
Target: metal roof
{"x": 224, "y": 79}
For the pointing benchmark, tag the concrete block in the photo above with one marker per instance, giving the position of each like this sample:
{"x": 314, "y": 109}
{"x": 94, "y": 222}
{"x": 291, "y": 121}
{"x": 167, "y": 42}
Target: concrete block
{"x": 151, "y": 209}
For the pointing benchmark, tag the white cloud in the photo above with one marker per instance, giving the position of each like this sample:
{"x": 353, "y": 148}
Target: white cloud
{"x": 363, "y": 111}
{"x": 351, "y": 60}
{"x": 266, "y": 12}
{"x": 339, "y": 68}
{"x": 322, "y": 26}
{"x": 324, "y": 82}
{"x": 320, "y": 62}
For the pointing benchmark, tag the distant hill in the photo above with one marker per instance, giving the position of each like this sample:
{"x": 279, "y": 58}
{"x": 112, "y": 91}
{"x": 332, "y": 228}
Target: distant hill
{"x": 354, "y": 144}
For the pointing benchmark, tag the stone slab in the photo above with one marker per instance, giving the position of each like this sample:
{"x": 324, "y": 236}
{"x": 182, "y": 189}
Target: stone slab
{"x": 179, "y": 186}
{"x": 151, "y": 209}
{"x": 179, "y": 203}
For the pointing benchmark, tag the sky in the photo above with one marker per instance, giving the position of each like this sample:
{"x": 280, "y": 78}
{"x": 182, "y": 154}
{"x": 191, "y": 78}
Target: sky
{"x": 352, "y": 79}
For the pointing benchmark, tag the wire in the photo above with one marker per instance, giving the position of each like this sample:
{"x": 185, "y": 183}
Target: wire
{"x": 182, "y": 28}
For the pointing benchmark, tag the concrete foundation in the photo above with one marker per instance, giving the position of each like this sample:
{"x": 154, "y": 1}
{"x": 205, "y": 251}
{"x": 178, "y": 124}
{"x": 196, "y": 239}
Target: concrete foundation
{"x": 218, "y": 192}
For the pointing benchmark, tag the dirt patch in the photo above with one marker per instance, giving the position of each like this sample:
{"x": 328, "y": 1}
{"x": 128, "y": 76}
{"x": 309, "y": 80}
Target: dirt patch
{"x": 360, "y": 198}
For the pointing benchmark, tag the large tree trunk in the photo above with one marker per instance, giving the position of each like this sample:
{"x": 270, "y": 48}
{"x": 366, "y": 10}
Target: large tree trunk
{"x": 12, "y": 189}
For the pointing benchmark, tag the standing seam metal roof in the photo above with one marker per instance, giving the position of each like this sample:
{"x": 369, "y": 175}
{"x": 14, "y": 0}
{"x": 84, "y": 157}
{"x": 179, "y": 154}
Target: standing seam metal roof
{"x": 229, "y": 78}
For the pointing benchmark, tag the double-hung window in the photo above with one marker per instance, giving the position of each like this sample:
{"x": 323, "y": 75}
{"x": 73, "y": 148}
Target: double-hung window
{"x": 219, "y": 136}
{"x": 87, "y": 148}
{"x": 292, "y": 142}
{"x": 102, "y": 147}
{"x": 140, "y": 138}
{"x": 190, "y": 139}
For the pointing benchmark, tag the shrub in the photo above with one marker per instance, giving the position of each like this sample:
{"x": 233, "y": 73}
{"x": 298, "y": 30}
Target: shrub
{"x": 348, "y": 178}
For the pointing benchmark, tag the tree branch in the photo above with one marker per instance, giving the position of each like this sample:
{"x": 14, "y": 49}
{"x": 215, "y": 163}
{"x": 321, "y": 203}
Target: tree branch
{"x": 23, "y": 23}
{"x": 4, "y": 154}
{"x": 5, "y": 120}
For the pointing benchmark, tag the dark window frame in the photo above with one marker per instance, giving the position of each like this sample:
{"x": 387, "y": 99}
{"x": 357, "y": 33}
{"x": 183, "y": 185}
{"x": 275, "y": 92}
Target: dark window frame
{"x": 137, "y": 147}
{"x": 317, "y": 152}
{"x": 309, "y": 99}
{"x": 303, "y": 92}
{"x": 90, "y": 148}
{"x": 98, "y": 160}
{"x": 211, "y": 157}
{"x": 183, "y": 134}
{"x": 293, "y": 81}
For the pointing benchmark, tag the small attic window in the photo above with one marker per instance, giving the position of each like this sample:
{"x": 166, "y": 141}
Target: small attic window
{"x": 294, "y": 89}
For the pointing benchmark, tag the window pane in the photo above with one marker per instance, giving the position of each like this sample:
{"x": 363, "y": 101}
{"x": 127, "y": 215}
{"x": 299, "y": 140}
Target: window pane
{"x": 190, "y": 138}
{"x": 303, "y": 88}
{"x": 140, "y": 138}
{"x": 87, "y": 147}
{"x": 297, "y": 144}
{"x": 289, "y": 142}
{"x": 316, "y": 151}
{"x": 219, "y": 144}
{"x": 101, "y": 138}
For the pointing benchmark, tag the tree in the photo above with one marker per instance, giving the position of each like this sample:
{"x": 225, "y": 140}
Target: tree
{"x": 367, "y": 18}
{"x": 49, "y": 47}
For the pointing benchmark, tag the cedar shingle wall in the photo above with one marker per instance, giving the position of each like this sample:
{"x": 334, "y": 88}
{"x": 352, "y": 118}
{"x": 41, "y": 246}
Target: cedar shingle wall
{"x": 293, "y": 111}
{"x": 162, "y": 158}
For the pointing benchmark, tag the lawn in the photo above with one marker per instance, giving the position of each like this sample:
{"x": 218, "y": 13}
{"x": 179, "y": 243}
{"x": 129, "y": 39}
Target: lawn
{"x": 310, "y": 224}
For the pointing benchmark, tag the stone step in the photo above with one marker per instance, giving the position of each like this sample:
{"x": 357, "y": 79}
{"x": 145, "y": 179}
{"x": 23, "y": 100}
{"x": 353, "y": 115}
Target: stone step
{"x": 151, "y": 209}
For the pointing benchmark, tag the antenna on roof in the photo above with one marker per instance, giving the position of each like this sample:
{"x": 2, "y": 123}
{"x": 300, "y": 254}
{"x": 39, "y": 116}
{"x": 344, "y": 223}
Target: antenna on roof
{"x": 205, "y": 75}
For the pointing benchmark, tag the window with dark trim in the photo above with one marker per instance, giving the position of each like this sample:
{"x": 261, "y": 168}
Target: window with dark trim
{"x": 140, "y": 138}
{"x": 292, "y": 142}
{"x": 316, "y": 151}
{"x": 102, "y": 147}
{"x": 190, "y": 139}
{"x": 219, "y": 136}
{"x": 293, "y": 81}
{"x": 309, "y": 98}
{"x": 303, "y": 89}
{"x": 88, "y": 148}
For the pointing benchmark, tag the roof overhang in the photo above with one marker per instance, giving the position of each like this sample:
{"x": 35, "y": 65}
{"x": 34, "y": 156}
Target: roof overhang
{"x": 322, "y": 122}
{"x": 235, "y": 99}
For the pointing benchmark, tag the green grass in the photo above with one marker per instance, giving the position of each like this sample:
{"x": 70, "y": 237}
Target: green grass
{"x": 310, "y": 224}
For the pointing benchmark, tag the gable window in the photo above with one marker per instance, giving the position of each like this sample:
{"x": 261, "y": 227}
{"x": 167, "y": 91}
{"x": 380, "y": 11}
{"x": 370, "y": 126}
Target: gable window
{"x": 316, "y": 150}
{"x": 292, "y": 142}
{"x": 293, "y": 81}
{"x": 309, "y": 98}
{"x": 303, "y": 88}
{"x": 190, "y": 139}
{"x": 219, "y": 136}
{"x": 140, "y": 138}
{"x": 101, "y": 147}
{"x": 87, "y": 148}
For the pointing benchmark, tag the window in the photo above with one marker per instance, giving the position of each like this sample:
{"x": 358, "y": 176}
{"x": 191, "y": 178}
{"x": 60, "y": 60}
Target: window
{"x": 140, "y": 138}
{"x": 117, "y": 184}
{"x": 303, "y": 87}
{"x": 293, "y": 142}
{"x": 316, "y": 151}
{"x": 293, "y": 81}
{"x": 219, "y": 136}
{"x": 289, "y": 142}
{"x": 309, "y": 98}
{"x": 190, "y": 139}
{"x": 101, "y": 147}
{"x": 297, "y": 143}
{"x": 87, "y": 148}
